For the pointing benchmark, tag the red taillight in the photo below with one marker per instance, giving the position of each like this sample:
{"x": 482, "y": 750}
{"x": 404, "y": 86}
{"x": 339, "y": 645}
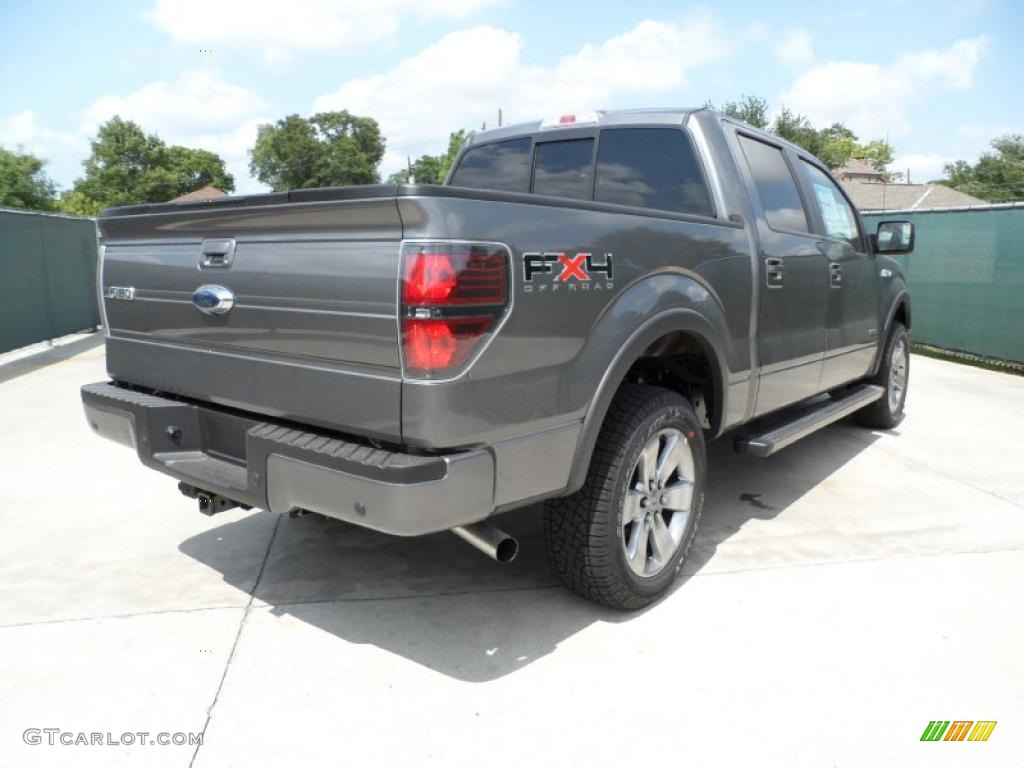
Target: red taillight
{"x": 441, "y": 274}
{"x": 429, "y": 279}
{"x": 453, "y": 295}
{"x": 442, "y": 343}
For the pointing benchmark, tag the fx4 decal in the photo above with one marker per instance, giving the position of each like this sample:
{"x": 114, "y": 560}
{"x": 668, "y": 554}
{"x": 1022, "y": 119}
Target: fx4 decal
{"x": 574, "y": 273}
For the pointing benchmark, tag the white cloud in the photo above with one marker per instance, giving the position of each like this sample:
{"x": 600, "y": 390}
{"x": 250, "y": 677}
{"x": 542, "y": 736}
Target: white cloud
{"x": 464, "y": 78}
{"x": 874, "y": 98}
{"x": 198, "y": 100}
{"x": 198, "y": 109}
{"x": 279, "y": 28}
{"x": 23, "y": 131}
{"x": 19, "y": 129}
{"x": 795, "y": 48}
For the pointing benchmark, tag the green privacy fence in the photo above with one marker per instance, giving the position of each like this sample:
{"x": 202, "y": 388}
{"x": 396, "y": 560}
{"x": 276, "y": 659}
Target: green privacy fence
{"x": 47, "y": 277}
{"x": 966, "y": 278}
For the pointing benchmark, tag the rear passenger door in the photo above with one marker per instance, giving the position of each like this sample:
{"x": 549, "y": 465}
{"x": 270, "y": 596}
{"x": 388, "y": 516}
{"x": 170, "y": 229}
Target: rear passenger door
{"x": 793, "y": 278}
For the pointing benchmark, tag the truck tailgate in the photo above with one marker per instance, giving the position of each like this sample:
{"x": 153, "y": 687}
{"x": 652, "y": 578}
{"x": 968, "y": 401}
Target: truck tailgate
{"x": 312, "y": 334}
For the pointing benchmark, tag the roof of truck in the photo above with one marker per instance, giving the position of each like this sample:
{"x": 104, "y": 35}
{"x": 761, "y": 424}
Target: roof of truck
{"x": 619, "y": 117}
{"x": 605, "y": 117}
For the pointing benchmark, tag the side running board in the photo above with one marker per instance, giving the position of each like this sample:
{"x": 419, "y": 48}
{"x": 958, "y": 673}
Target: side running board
{"x": 806, "y": 421}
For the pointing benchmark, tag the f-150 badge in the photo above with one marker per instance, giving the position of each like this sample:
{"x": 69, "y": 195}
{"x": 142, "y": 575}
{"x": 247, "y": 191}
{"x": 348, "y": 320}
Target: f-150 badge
{"x": 557, "y": 270}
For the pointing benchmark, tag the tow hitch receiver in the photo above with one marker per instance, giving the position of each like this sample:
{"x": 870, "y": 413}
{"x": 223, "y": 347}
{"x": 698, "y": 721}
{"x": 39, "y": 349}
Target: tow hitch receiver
{"x": 210, "y": 503}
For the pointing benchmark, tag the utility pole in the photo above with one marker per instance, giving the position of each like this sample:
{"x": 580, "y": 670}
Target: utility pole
{"x": 408, "y": 166}
{"x": 499, "y": 117}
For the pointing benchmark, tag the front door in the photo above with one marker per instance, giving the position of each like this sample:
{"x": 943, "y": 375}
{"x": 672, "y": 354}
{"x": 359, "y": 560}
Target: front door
{"x": 852, "y": 320}
{"x": 793, "y": 280}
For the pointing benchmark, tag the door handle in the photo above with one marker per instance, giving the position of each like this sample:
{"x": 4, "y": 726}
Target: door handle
{"x": 774, "y": 271}
{"x": 835, "y": 275}
{"x": 216, "y": 254}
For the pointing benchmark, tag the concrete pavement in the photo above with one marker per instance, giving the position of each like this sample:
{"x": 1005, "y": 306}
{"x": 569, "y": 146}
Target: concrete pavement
{"x": 839, "y": 596}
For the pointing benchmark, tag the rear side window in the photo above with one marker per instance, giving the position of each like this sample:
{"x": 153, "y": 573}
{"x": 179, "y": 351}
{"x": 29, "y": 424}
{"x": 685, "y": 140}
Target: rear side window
{"x": 564, "y": 168}
{"x": 775, "y": 185}
{"x": 836, "y": 212}
{"x": 503, "y": 165}
{"x": 651, "y": 168}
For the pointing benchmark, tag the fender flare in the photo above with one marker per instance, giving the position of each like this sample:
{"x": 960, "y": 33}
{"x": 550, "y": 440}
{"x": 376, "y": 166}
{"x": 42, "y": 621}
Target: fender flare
{"x": 669, "y": 321}
{"x": 902, "y": 299}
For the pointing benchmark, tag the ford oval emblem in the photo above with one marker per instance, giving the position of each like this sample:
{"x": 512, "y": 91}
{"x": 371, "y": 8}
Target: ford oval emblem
{"x": 213, "y": 299}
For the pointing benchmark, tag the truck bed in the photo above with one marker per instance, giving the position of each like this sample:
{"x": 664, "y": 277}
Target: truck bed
{"x": 312, "y": 336}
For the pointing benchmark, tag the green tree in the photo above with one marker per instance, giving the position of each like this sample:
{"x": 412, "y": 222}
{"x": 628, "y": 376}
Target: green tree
{"x": 328, "y": 149}
{"x": 197, "y": 168}
{"x": 797, "y": 129}
{"x": 752, "y": 110}
{"x": 456, "y": 141}
{"x": 424, "y": 170}
{"x": 127, "y": 166}
{"x": 834, "y": 145}
{"x": 432, "y": 169}
{"x": 879, "y": 154}
{"x": 23, "y": 183}
{"x": 997, "y": 177}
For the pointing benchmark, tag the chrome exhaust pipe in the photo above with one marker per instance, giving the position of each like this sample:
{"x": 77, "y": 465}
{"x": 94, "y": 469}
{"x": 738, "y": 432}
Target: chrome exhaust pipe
{"x": 492, "y": 541}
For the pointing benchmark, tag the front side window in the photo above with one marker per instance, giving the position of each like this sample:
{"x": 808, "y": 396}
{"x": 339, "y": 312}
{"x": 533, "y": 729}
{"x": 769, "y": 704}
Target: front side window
{"x": 836, "y": 213}
{"x": 650, "y": 168}
{"x": 503, "y": 166}
{"x": 564, "y": 168}
{"x": 775, "y": 185}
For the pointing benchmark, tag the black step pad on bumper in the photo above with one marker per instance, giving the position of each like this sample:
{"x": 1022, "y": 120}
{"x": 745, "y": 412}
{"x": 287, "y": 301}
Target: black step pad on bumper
{"x": 279, "y": 467}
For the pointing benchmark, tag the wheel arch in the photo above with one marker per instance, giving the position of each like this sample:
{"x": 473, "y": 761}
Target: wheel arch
{"x": 657, "y": 335}
{"x": 899, "y": 310}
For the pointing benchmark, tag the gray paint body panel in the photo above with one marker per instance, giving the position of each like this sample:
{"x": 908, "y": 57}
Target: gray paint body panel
{"x": 312, "y": 337}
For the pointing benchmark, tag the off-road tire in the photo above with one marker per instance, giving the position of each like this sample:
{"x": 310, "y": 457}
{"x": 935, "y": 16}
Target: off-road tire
{"x": 582, "y": 532}
{"x": 881, "y": 414}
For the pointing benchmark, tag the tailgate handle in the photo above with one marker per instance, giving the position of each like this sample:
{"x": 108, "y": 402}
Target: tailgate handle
{"x": 217, "y": 254}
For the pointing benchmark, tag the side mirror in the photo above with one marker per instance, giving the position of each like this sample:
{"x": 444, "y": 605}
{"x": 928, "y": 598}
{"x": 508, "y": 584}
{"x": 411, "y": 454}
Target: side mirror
{"x": 894, "y": 237}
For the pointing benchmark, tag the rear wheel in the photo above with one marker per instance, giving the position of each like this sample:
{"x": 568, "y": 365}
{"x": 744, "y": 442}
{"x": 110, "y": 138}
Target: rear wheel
{"x": 894, "y": 377}
{"x": 622, "y": 538}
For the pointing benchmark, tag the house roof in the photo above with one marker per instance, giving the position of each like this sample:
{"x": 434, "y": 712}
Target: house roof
{"x": 859, "y": 167}
{"x": 203, "y": 193}
{"x": 877, "y": 196}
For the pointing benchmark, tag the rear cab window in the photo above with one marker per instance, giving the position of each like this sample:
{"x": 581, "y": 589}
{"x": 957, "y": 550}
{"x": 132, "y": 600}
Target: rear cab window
{"x": 775, "y": 185}
{"x": 564, "y": 169}
{"x": 651, "y": 168}
{"x": 502, "y": 166}
{"x": 654, "y": 168}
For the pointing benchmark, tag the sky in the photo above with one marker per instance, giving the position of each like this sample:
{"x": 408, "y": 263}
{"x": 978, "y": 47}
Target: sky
{"x": 939, "y": 79}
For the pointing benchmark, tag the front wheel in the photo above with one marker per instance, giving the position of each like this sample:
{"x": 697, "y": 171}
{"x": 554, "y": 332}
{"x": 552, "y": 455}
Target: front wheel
{"x": 622, "y": 538}
{"x": 894, "y": 377}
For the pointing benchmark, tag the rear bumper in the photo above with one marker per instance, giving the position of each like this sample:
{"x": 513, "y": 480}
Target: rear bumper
{"x": 280, "y": 468}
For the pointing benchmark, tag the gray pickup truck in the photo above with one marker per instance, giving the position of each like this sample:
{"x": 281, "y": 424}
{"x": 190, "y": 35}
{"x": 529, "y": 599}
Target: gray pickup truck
{"x": 569, "y": 319}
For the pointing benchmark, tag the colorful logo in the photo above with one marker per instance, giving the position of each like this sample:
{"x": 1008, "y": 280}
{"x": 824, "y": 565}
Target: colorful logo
{"x": 573, "y": 272}
{"x": 958, "y": 730}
